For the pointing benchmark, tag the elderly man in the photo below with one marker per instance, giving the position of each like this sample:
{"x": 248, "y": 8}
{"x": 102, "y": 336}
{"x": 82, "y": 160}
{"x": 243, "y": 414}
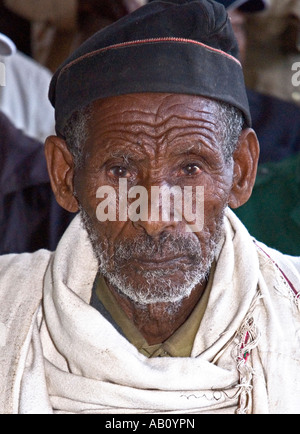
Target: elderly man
{"x": 139, "y": 314}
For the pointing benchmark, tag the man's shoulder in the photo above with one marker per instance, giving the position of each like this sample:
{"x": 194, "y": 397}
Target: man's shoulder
{"x": 288, "y": 266}
{"x": 23, "y": 263}
{"x": 21, "y": 290}
{"x": 21, "y": 277}
{"x": 287, "y": 262}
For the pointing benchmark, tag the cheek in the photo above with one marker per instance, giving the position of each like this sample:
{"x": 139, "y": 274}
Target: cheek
{"x": 87, "y": 182}
{"x": 110, "y": 232}
{"x": 107, "y": 231}
{"x": 216, "y": 198}
{"x": 86, "y": 188}
{"x": 218, "y": 188}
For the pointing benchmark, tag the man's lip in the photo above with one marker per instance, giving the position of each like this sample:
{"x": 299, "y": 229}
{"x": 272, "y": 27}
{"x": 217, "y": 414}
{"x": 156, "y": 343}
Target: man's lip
{"x": 155, "y": 261}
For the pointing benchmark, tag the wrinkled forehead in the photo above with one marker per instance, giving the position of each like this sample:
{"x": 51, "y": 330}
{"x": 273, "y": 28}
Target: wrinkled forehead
{"x": 154, "y": 107}
{"x": 157, "y": 121}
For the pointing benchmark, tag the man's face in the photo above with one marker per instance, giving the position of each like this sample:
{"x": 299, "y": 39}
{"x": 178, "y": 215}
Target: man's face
{"x": 157, "y": 140}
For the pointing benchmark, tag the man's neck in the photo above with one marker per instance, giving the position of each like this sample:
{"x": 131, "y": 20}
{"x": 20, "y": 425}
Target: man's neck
{"x": 157, "y": 322}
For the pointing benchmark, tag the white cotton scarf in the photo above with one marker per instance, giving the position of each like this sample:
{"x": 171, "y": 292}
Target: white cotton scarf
{"x": 69, "y": 359}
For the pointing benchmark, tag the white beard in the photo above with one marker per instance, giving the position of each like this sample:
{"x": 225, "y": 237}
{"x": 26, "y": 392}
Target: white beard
{"x": 154, "y": 286}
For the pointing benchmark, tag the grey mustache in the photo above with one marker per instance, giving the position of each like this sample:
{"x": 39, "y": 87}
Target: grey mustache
{"x": 166, "y": 246}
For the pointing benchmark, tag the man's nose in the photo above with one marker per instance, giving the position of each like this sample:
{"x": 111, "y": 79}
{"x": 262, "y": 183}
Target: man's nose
{"x": 161, "y": 216}
{"x": 155, "y": 228}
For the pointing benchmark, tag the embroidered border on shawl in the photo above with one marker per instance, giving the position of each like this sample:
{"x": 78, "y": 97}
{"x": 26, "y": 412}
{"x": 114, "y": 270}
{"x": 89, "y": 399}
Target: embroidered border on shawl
{"x": 286, "y": 280}
{"x": 247, "y": 338}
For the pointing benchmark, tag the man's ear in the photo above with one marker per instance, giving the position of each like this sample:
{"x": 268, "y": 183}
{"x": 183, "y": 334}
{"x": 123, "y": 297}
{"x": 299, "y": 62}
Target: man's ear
{"x": 245, "y": 168}
{"x": 61, "y": 171}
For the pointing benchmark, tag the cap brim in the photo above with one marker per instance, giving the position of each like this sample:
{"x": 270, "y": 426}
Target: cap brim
{"x": 7, "y": 47}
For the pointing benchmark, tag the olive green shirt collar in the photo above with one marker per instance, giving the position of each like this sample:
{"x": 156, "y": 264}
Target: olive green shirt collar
{"x": 180, "y": 344}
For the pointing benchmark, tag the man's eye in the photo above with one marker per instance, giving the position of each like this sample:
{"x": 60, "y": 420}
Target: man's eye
{"x": 191, "y": 169}
{"x": 119, "y": 172}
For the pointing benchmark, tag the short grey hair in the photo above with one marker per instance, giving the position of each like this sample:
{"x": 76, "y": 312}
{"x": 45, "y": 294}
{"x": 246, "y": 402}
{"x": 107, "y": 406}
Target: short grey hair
{"x": 76, "y": 134}
{"x": 231, "y": 123}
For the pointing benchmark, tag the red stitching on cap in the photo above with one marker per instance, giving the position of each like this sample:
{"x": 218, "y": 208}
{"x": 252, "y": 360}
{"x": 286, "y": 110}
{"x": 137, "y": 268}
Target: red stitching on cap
{"x": 191, "y": 41}
{"x": 148, "y": 41}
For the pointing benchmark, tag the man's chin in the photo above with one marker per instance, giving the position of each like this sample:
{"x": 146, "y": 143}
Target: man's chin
{"x": 153, "y": 287}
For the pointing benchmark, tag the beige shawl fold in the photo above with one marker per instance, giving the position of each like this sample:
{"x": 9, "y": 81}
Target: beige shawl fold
{"x": 59, "y": 355}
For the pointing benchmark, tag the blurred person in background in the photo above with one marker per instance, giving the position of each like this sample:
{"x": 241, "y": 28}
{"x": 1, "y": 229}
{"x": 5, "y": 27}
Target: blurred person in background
{"x": 275, "y": 121}
{"x": 274, "y": 47}
{"x": 59, "y": 26}
{"x": 30, "y": 217}
{"x": 16, "y": 28}
{"x": 24, "y": 98}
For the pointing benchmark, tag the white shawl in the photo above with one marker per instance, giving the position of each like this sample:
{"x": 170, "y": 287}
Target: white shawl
{"x": 59, "y": 355}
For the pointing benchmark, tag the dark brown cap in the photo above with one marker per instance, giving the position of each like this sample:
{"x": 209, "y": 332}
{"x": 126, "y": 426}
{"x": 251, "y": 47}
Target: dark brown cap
{"x": 173, "y": 46}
